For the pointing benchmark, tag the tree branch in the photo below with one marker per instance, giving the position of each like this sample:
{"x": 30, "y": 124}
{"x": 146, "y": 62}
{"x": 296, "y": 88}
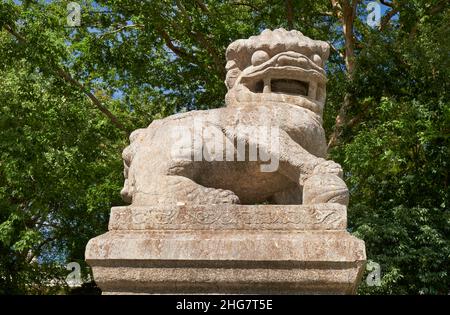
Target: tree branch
{"x": 387, "y": 18}
{"x": 346, "y": 11}
{"x": 202, "y": 6}
{"x": 180, "y": 52}
{"x": 348, "y": 18}
{"x": 333, "y": 48}
{"x": 68, "y": 78}
{"x": 183, "y": 11}
{"x": 355, "y": 120}
{"x": 438, "y": 7}
{"x": 340, "y": 122}
{"x": 201, "y": 39}
{"x": 337, "y": 8}
{"x": 290, "y": 14}
{"x": 36, "y": 251}
{"x": 388, "y": 4}
{"x": 140, "y": 26}
{"x": 18, "y": 36}
{"x": 432, "y": 11}
{"x": 326, "y": 13}
{"x": 249, "y": 5}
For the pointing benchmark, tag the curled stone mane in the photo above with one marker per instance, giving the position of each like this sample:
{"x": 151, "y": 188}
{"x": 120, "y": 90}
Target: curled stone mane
{"x": 239, "y": 53}
{"x": 277, "y": 67}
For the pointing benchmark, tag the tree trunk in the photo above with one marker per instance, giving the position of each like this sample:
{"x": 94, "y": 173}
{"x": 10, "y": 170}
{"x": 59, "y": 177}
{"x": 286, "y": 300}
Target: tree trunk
{"x": 346, "y": 12}
{"x": 290, "y": 14}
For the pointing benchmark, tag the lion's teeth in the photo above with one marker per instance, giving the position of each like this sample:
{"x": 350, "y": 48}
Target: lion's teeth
{"x": 312, "y": 92}
{"x": 267, "y": 87}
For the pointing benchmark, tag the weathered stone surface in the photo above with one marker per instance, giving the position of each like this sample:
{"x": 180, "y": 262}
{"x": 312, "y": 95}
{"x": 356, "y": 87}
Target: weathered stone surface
{"x": 261, "y": 147}
{"x": 193, "y": 180}
{"x": 226, "y": 261}
{"x": 225, "y": 245}
{"x": 326, "y": 216}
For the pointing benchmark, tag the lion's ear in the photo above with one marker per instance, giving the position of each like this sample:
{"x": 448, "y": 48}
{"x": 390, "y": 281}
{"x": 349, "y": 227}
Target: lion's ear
{"x": 232, "y": 73}
{"x": 231, "y": 64}
{"x": 231, "y": 77}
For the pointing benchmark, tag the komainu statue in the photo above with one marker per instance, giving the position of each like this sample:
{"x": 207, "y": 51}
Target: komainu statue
{"x": 266, "y": 145}
{"x": 238, "y": 199}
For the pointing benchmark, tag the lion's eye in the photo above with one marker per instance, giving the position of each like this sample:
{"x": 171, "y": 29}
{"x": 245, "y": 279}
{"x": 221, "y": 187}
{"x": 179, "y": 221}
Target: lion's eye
{"x": 259, "y": 57}
{"x": 317, "y": 60}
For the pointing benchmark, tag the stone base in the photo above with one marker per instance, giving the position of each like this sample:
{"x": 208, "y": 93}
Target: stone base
{"x": 234, "y": 257}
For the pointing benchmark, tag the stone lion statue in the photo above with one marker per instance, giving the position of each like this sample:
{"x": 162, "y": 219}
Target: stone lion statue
{"x": 266, "y": 146}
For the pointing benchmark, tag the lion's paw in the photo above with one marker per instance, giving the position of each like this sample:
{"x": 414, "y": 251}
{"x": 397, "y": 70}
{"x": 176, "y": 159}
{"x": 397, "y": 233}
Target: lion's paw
{"x": 218, "y": 196}
{"x": 328, "y": 167}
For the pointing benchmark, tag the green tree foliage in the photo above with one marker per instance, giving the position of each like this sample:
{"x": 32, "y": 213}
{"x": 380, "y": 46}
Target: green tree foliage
{"x": 397, "y": 158}
{"x": 60, "y": 167}
{"x": 57, "y": 180}
{"x": 70, "y": 96}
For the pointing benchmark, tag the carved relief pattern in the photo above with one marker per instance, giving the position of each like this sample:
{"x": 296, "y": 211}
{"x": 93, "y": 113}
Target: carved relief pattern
{"x": 298, "y": 217}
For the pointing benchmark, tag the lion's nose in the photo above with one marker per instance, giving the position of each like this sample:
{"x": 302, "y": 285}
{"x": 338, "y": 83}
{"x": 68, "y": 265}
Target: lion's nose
{"x": 300, "y": 61}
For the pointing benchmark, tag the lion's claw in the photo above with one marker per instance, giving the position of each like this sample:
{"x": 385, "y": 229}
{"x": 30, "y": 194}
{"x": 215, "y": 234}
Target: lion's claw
{"x": 328, "y": 167}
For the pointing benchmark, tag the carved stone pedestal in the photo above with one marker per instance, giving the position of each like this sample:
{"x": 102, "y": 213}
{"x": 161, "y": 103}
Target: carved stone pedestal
{"x": 272, "y": 249}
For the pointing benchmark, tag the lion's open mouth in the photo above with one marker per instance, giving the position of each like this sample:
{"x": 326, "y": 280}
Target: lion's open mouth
{"x": 288, "y": 73}
{"x": 283, "y": 86}
{"x": 287, "y": 86}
